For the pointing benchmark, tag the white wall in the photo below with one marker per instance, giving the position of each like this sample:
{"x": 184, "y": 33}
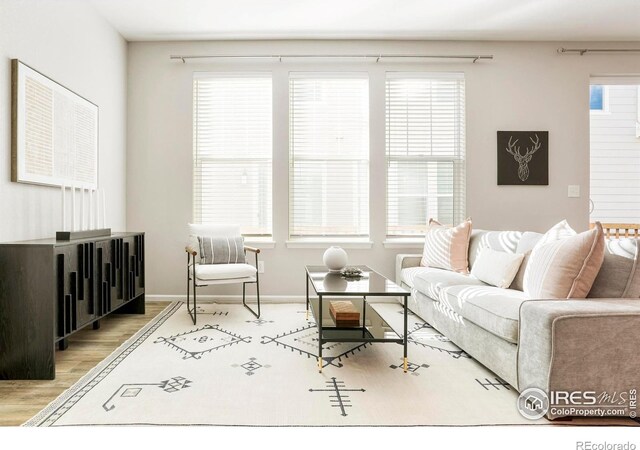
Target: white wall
{"x": 615, "y": 157}
{"x": 528, "y": 86}
{"x": 73, "y": 45}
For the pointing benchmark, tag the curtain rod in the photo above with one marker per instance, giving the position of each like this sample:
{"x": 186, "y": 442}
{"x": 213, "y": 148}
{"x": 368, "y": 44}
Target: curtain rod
{"x": 582, "y": 51}
{"x": 377, "y": 57}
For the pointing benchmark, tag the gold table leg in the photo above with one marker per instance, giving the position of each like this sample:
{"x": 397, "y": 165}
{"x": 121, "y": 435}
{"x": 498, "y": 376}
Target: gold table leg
{"x": 406, "y": 365}
{"x": 320, "y": 365}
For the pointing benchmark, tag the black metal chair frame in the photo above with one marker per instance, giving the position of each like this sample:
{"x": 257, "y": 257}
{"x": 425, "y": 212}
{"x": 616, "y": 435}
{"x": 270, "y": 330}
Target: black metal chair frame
{"x": 191, "y": 279}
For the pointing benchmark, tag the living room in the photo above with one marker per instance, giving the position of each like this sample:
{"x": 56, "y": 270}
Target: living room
{"x": 298, "y": 151}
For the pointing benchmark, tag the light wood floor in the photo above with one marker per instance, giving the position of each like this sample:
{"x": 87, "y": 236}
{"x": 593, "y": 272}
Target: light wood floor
{"x": 21, "y": 400}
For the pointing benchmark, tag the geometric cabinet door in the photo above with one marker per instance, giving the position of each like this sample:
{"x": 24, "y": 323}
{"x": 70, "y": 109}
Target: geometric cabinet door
{"x": 50, "y": 289}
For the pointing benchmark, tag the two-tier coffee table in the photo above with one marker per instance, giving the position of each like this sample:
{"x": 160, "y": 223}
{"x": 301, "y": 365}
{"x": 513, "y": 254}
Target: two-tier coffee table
{"x": 373, "y": 325}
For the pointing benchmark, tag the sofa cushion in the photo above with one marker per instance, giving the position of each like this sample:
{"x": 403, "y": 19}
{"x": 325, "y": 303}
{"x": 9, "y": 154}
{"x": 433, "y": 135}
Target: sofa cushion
{"x": 526, "y": 243}
{"x": 619, "y": 276}
{"x": 528, "y": 240}
{"x": 493, "y": 309}
{"x": 502, "y": 241}
{"x": 408, "y": 275}
{"x": 431, "y": 281}
{"x": 518, "y": 280}
{"x": 211, "y": 272}
{"x": 447, "y": 247}
{"x": 627, "y": 247}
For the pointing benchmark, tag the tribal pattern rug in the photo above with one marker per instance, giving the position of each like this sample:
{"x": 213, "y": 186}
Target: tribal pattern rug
{"x": 233, "y": 369}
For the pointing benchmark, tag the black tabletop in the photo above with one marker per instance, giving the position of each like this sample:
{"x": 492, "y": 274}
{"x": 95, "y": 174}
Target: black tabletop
{"x": 371, "y": 283}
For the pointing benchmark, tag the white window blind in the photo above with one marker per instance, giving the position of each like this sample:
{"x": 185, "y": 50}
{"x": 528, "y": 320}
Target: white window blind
{"x": 233, "y": 151}
{"x": 329, "y": 155}
{"x": 425, "y": 140}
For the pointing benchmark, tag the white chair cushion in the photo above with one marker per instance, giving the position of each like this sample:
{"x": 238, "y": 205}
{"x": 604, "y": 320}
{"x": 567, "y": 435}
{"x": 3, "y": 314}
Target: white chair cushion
{"x": 224, "y": 271}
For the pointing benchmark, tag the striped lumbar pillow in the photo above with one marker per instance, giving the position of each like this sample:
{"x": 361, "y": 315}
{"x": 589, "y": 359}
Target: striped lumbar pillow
{"x": 221, "y": 250}
{"x": 447, "y": 247}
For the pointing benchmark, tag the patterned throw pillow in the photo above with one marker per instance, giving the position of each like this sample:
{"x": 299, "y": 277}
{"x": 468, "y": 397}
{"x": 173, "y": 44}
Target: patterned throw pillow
{"x": 564, "y": 265}
{"x": 447, "y": 247}
{"x": 221, "y": 250}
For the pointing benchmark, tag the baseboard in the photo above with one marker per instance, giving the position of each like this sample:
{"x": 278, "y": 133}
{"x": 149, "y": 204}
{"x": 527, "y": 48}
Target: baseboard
{"x": 227, "y": 298}
{"x": 250, "y": 298}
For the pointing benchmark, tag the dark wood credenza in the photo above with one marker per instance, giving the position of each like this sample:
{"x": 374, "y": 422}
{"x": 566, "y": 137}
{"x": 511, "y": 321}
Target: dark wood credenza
{"x": 50, "y": 289}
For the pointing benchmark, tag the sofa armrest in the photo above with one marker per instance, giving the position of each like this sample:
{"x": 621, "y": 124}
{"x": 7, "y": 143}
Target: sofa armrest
{"x": 403, "y": 261}
{"x": 579, "y": 345}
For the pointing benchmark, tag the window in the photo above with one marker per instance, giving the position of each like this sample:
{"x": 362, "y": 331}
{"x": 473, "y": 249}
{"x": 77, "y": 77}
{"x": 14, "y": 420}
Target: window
{"x": 232, "y": 151}
{"x": 329, "y": 155}
{"x": 615, "y": 153}
{"x": 597, "y": 98}
{"x": 425, "y": 140}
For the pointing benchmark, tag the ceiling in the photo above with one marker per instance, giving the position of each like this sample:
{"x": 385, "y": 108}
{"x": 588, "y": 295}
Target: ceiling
{"x": 521, "y": 20}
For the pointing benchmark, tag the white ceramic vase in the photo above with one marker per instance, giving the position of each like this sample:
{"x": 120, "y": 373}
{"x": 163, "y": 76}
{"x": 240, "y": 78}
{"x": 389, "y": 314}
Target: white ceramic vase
{"x": 335, "y": 258}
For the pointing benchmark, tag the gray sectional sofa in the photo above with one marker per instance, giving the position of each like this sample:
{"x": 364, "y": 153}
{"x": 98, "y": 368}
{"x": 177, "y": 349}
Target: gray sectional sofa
{"x": 556, "y": 345}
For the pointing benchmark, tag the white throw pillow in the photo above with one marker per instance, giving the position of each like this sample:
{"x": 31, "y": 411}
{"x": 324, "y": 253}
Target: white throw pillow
{"x": 496, "y": 268}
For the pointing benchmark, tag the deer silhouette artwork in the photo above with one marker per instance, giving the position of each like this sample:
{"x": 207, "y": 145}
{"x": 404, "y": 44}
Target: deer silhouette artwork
{"x": 523, "y": 160}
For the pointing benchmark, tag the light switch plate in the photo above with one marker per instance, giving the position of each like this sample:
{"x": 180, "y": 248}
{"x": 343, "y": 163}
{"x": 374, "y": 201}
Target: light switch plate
{"x": 573, "y": 191}
{"x": 260, "y": 266}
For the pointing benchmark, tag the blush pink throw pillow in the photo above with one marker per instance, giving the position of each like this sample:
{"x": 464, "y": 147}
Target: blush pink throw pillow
{"x": 564, "y": 266}
{"x": 447, "y": 247}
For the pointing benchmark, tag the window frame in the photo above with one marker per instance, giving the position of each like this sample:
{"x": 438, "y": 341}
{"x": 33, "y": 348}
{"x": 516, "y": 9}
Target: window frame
{"x": 264, "y": 239}
{"x": 458, "y": 162}
{"x": 322, "y": 240}
{"x": 607, "y": 200}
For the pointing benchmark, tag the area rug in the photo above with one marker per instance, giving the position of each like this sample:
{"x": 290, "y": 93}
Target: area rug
{"x": 234, "y": 369}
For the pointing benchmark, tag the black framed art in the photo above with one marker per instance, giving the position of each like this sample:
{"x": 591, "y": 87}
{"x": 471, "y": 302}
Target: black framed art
{"x": 523, "y": 158}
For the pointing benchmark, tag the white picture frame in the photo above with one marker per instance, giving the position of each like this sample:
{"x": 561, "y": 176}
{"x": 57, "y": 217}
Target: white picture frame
{"x": 54, "y": 138}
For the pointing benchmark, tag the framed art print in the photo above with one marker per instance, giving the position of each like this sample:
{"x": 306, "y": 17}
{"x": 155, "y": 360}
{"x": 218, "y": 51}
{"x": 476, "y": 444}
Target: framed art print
{"x": 54, "y": 132}
{"x": 523, "y": 158}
